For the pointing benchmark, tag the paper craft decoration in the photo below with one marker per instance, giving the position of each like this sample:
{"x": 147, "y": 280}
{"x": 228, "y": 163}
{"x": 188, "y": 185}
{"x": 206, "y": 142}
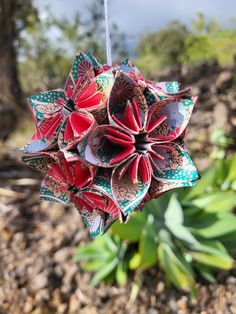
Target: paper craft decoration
{"x": 110, "y": 141}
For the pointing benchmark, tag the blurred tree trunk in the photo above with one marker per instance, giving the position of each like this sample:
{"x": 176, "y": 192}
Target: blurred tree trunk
{"x": 10, "y": 92}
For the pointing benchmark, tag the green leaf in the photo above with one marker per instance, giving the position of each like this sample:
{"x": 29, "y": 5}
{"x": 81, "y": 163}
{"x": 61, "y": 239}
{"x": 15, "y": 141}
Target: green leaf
{"x": 232, "y": 169}
{"x": 104, "y": 271}
{"x": 147, "y": 250}
{"x": 102, "y": 246}
{"x": 135, "y": 261}
{"x": 217, "y": 201}
{"x": 222, "y": 168}
{"x": 218, "y": 261}
{"x": 181, "y": 233}
{"x": 229, "y": 241}
{"x": 176, "y": 271}
{"x": 121, "y": 274}
{"x": 216, "y": 226}
{"x": 212, "y": 253}
{"x": 93, "y": 264}
{"x": 174, "y": 212}
{"x": 202, "y": 186}
{"x": 158, "y": 206}
{"x": 102, "y": 256}
{"x": 110, "y": 244}
{"x": 165, "y": 237}
{"x": 205, "y": 272}
{"x": 89, "y": 252}
{"x": 130, "y": 231}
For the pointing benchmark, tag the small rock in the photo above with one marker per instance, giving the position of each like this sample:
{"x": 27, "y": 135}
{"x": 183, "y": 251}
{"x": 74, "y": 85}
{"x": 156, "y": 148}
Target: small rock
{"x": 62, "y": 255}
{"x": 61, "y": 309}
{"x": 74, "y": 304}
{"x": 160, "y": 287}
{"x": 42, "y": 295}
{"x": 39, "y": 282}
{"x": 182, "y": 303}
{"x": 173, "y": 305}
{"x": 28, "y": 307}
{"x": 231, "y": 280}
{"x": 56, "y": 299}
{"x": 82, "y": 297}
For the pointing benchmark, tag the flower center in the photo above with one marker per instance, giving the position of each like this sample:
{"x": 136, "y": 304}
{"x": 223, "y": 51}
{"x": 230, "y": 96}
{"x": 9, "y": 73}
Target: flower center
{"x": 142, "y": 143}
{"x": 70, "y": 104}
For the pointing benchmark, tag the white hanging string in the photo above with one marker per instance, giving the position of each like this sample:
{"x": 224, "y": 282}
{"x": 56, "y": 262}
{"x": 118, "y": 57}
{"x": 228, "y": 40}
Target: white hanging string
{"x": 108, "y": 37}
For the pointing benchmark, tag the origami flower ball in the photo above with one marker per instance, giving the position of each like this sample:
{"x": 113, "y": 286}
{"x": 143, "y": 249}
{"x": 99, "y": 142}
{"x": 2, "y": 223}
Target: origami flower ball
{"x": 110, "y": 141}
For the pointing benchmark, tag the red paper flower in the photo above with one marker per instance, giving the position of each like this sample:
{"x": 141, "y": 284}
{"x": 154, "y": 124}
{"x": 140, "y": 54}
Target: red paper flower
{"x": 110, "y": 141}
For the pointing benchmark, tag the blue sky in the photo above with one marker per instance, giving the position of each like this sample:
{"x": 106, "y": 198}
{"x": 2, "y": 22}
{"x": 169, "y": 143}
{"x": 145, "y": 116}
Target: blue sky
{"x": 135, "y": 17}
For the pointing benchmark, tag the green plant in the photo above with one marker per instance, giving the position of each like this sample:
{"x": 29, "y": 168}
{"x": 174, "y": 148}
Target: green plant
{"x": 221, "y": 142}
{"x": 186, "y": 233}
{"x": 105, "y": 257}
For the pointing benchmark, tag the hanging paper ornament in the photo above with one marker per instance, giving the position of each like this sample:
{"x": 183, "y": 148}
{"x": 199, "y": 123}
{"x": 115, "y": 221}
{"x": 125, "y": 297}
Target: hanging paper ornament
{"x": 110, "y": 141}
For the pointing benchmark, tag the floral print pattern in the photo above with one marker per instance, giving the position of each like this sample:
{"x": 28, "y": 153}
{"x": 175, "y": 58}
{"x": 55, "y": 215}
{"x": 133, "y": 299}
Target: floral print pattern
{"x": 110, "y": 140}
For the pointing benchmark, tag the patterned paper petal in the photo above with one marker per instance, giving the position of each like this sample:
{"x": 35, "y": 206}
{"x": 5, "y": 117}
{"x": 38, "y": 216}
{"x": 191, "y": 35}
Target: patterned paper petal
{"x": 75, "y": 173}
{"x": 39, "y": 162}
{"x": 124, "y": 92}
{"x": 46, "y": 135}
{"x": 94, "y": 221}
{"x": 76, "y": 126}
{"x": 90, "y": 98}
{"x": 97, "y": 209}
{"x": 46, "y": 104}
{"x": 52, "y": 191}
{"x": 96, "y": 64}
{"x": 102, "y": 184}
{"x": 167, "y": 87}
{"x": 128, "y": 67}
{"x": 105, "y": 82}
{"x": 177, "y": 166}
{"x": 157, "y": 188}
{"x": 107, "y": 146}
{"x": 126, "y": 193}
{"x": 151, "y": 96}
{"x": 177, "y": 113}
{"x": 81, "y": 71}
{"x": 35, "y": 146}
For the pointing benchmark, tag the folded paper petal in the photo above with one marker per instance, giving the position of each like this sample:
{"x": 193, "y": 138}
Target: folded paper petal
{"x": 52, "y": 191}
{"x": 127, "y": 194}
{"x": 75, "y": 173}
{"x": 39, "y": 162}
{"x": 98, "y": 210}
{"x": 167, "y": 87}
{"x": 157, "y": 188}
{"x": 46, "y": 104}
{"x": 82, "y": 70}
{"x": 102, "y": 184}
{"x": 75, "y": 127}
{"x": 107, "y": 146}
{"x": 126, "y": 93}
{"x": 177, "y": 166}
{"x": 177, "y": 112}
